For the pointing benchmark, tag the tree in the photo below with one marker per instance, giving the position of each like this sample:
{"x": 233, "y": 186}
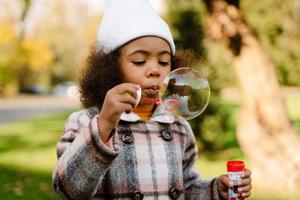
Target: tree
{"x": 10, "y": 36}
{"x": 42, "y": 57}
{"x": 276, "y": 26}
{"x": 264, "y": 131}
{"x": 189, "y": 34}
{"x": 67, "y": 28}
{"x": 8, "y": 52}
{"x": 13, "y": 63}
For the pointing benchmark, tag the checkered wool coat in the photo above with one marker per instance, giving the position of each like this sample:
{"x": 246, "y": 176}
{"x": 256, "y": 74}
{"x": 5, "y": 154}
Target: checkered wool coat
{"x": 151, "y": 160}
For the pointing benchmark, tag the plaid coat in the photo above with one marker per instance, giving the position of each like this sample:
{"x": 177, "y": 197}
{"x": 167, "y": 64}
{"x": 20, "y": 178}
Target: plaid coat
{"x": 151, "y": 160}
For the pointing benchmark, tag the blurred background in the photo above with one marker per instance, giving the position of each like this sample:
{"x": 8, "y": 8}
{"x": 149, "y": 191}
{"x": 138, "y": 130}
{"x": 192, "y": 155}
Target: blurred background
{"x": 248, "y": 49}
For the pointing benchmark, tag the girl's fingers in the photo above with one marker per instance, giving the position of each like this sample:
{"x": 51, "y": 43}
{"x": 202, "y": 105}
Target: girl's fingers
{"x": 246, "y": 174}
{"x": 245, "y": 181}
{"x": 245, "y": 184}
{"x": 244, "y": 189}
{"x": 246, "y": 194}
{"x": 127, "y": 88}
{"x": 128, "y": 99}
{"x": 123, "y": 93}
{"x": 126, "y": 107}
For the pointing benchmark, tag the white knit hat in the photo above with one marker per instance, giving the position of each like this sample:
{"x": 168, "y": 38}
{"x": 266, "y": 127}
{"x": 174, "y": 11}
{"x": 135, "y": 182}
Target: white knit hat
{"x": 125, "y": 20}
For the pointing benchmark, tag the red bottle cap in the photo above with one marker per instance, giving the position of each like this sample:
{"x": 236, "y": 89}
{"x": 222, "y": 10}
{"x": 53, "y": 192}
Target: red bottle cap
{"x": 235, "y": 165}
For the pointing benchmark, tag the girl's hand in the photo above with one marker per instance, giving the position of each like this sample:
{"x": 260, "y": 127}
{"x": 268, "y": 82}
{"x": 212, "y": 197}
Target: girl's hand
{"x": 119, "y": 99}
{"x": 244, "y": 186}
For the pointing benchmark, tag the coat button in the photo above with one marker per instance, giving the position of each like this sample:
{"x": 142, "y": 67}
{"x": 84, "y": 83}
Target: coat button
{"x": 167, "y": 135}
{"x": 137, "y": 195}
{"x": 127, "y": 138}
{"x": 174, "y": 193}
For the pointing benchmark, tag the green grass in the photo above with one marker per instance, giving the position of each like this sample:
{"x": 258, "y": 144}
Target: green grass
{"x": 27, "y": 154}
{"x": 293, "y": 105}
{"x": 19, "y": 183}
{"x": 27, "y": 157}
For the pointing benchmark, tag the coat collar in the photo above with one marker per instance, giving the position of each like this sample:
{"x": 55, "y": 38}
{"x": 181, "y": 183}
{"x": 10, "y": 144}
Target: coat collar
{"x": 159, "y": 115}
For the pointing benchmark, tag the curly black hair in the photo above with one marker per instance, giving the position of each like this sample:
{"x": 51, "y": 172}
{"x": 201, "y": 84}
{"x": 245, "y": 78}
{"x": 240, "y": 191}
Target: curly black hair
{"x": 101, "y": 73}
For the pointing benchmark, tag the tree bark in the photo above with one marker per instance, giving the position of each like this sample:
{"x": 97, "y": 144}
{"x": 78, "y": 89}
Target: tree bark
{"x": 23, "y": 71}
{"x": 264, "y": 131}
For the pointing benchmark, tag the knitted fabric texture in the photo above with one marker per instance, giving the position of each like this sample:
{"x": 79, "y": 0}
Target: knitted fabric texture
{"x": 124, "y": 21}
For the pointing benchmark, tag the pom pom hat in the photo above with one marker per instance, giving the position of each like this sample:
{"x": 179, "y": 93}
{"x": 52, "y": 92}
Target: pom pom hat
{"x": 125, "y": 20}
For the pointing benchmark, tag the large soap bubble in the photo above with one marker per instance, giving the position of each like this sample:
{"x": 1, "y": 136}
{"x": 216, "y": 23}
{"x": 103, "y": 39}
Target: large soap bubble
{"x": 185, "y": 93}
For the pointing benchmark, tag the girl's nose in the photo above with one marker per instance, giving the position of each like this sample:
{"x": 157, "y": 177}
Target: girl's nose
{"x": 154, "y": 70}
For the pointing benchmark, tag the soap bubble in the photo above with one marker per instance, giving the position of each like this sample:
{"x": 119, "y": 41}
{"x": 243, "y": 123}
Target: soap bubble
{"x": 185, "y": 93}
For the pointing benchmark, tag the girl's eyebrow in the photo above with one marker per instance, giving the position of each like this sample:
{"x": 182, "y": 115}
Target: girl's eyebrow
{"x": 164, "y": 52}
{"x": 139, "y": 51}
{"x": 147, "y": 53}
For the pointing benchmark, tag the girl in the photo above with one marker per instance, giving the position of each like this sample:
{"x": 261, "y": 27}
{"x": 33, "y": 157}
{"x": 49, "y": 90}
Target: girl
{"x": 123, "y": 148}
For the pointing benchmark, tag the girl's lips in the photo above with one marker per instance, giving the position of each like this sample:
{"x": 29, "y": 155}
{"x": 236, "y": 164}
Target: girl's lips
{"x": 151, "y": 91}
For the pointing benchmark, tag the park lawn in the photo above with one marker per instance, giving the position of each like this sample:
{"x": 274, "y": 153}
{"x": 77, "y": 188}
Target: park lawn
{"x": 293, "y": 105}
{"x": 27, "y": 154}
{"x": 27, "y": 157}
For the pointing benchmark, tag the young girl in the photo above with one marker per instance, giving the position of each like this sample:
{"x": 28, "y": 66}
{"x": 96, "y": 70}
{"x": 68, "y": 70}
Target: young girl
{"x": 123, "y": 148}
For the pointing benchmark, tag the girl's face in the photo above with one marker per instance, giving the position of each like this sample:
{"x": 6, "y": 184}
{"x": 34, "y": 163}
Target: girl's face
{"x": 146, "y": 61}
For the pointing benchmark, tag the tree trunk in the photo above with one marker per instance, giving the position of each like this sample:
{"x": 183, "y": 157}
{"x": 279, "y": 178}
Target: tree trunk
{"x": 264, "y": 131}
{"x": 23, "y": 70}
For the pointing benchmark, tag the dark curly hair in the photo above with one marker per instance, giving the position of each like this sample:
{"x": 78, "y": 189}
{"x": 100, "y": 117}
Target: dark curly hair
{"x": 101, "y": 73}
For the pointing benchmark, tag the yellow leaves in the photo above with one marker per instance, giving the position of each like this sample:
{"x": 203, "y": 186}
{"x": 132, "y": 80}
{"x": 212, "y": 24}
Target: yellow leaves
{"x": 8, "y": 34}
{"x": 38, "y": 54}
{"x": 34, "y": 51}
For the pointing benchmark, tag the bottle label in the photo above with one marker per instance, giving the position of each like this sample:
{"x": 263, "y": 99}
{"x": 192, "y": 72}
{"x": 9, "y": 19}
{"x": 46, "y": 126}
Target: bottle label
{"x": 232, "y": 192}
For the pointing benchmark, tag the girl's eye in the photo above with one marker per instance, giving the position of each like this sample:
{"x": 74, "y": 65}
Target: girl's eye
{"x": 139, "y": 63}
{"x": 163, "y": 63}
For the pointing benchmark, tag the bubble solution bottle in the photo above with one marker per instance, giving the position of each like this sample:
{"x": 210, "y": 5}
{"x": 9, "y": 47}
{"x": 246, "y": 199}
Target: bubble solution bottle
{"x": 235, "y": 169}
